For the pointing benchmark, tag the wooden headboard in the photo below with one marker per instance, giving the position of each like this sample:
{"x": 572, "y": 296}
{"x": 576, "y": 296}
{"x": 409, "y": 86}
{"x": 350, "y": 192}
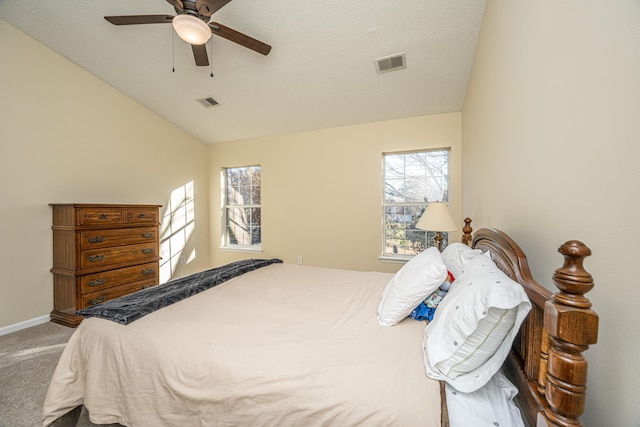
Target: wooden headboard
{"x": 546, "y": 361}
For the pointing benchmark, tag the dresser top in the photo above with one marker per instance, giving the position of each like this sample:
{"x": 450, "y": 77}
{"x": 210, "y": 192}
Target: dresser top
{"x": 105, "y": 205}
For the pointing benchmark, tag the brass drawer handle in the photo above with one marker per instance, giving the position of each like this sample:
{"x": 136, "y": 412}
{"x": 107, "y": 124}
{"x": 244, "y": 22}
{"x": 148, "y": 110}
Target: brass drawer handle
{"x": 96, "y": 239}
{"x": 98, "y": 300}
{"x": 148, "y": 271}
{"x": 97, "y": 282}
{"x": 147, "y": 251}
{"x": 147, "y": 235}
{"x": 146, "y": 286}
{"x": 103, "y": 216}
{"x": 96, "y": 258}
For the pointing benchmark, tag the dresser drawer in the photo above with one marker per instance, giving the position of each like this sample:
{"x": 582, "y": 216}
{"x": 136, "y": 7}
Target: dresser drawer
{"x": 116, "y": 237}
{"x": 108, "y": 279}
{"x": 99, "y": 216}
{"x": 99, "y": 297}
{"x": 141, "y": 216}
{"x": 96, "y": 258}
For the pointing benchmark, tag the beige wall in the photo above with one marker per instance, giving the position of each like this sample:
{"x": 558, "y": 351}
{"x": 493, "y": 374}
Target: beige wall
{"x": 553, "y": 102}
{"x": 551, "y": 152}
{"x": 66, "y": 136}
{"x": 322, "y": 190}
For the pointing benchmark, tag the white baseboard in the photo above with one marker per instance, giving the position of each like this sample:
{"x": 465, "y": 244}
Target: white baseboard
{"x": 23, "y": 325}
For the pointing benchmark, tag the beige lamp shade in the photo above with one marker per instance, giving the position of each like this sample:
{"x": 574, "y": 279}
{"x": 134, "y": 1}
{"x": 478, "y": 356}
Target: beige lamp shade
{"x": 191, "y": 29}
{"x": 437, "y": 218}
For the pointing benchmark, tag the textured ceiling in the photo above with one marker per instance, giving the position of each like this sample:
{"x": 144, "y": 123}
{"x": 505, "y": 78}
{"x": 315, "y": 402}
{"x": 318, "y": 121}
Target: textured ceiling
{"x": 320, "y": 72}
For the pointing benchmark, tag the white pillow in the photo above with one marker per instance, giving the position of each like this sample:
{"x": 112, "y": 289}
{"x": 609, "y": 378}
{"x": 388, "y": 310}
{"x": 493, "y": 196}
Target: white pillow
{"x": 456, "y": 255}
{"x": 471, "y": 333}
{"x": 415, "y": 281}
{"x": 491, "y": 405}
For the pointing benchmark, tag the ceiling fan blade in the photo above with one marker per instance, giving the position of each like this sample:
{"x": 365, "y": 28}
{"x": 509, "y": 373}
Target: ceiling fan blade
{"x": 200, "y": 54}
{"x": 139, "y": 19}
{"x": 238, "y": 37}
{"x": 212, "y": 5}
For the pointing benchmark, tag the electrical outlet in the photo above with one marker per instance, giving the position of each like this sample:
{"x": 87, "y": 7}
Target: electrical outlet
{"x": 299, "y": 259}
{"x": 183, "y": 259}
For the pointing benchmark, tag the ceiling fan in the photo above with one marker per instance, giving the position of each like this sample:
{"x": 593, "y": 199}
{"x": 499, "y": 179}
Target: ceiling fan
{"x": 193, "y": 26}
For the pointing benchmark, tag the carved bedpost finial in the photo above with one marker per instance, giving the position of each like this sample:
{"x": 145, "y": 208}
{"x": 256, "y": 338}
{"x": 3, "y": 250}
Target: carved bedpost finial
{"x": 572, "y": 279}
{"x": 466, "y": 232}
{"x": 571, "y": 326}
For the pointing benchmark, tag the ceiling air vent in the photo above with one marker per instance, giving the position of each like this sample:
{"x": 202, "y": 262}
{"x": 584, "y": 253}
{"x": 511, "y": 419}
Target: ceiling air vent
{"x": 207, "y": 102}
{"x": 391, "y": 63}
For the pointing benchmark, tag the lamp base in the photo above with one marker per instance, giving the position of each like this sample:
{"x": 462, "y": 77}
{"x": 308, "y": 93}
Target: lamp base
{"x": 438, "y": 239}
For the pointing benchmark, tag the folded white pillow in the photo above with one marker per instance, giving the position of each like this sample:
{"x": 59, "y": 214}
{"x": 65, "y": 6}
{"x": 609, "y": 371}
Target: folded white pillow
{"x": 491, "y": 405}
{"x": 456, "y": 256}
{"x": 471, "y": 333}
{"x": 414, "y": 282}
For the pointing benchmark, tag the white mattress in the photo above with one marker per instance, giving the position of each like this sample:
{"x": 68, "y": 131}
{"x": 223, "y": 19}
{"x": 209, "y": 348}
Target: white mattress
{"x": 280, "y": 346}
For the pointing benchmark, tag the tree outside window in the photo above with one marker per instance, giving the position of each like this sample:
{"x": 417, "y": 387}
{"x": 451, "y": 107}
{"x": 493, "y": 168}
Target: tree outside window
{"x": 411, "y": 181}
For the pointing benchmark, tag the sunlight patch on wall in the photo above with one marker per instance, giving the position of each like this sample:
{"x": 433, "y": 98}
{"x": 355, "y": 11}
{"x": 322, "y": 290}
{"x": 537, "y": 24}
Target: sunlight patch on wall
{"x": 177, "y": 224}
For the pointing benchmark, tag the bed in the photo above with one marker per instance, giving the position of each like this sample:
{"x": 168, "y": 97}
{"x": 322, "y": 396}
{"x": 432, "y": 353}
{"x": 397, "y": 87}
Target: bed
{"x": 288, "y": 344}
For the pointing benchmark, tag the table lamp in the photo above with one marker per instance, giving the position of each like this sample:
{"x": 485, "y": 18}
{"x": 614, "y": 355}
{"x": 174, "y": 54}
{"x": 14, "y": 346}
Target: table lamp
{"x": 437, "y": 218}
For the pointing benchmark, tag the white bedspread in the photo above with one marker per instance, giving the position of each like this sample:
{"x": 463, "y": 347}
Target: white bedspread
{"x": 285, "y": 345}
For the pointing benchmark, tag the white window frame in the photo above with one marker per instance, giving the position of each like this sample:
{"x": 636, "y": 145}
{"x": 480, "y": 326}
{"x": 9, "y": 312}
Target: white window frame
{"x": 227, "y": 205}
{"x": 413, "y": 209}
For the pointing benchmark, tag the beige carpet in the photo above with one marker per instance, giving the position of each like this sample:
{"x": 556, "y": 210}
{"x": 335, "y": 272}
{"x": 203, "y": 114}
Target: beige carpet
{"x": 27, "y": 360}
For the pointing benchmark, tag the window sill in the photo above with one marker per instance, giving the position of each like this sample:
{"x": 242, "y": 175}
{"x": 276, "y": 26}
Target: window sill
{"x": 395, "y": 259}
{"x": 256, "y": 250}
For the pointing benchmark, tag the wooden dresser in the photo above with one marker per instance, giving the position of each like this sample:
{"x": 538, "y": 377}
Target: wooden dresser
{"x": 101, "y": 252}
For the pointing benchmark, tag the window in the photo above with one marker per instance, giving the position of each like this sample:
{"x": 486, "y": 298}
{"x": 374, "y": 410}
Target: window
{"x": 242, "y": 227}
{"x": 411, "y": 180}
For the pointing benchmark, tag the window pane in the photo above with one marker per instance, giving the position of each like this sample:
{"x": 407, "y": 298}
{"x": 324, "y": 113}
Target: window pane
{"x": 401, "y": 236}
{"x": 245, "y": 195}
{"x": 256, "y": 197}
{"x": 238, "y": 196}
{"x": 256, "y": 172}
{"x": 231, "y": 238}
{"x": 416, "y": 190}
{"x": 244, "y": 177}
{"x": 255, "y": 235}
{"x": 234, "y": 176}
{"x": 394, "y": 166}
{"x": 255, "y": 216}
{"x": 238, "y": 223}
{"x": 437, "y": 189}
{"x": 394, "y": 191}
{"x": 415, "y": 165}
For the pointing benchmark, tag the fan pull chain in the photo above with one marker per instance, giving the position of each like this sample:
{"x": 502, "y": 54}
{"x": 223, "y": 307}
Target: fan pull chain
{"x": 211, "y": 55}
{"x": 173, "y": 52}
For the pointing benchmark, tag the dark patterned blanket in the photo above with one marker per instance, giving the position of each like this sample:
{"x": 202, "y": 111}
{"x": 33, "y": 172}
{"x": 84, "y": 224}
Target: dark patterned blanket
{"x": 131, "y": 307}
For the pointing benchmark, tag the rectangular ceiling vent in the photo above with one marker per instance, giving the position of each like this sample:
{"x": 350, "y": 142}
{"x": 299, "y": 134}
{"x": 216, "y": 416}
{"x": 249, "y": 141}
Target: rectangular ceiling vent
{"x": 391, "y": 63}
{"x": 207, "y": 102}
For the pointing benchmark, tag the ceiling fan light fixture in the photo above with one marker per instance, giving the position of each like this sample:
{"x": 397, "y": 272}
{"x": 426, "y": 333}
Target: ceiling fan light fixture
{"x": 191, "y": 29}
